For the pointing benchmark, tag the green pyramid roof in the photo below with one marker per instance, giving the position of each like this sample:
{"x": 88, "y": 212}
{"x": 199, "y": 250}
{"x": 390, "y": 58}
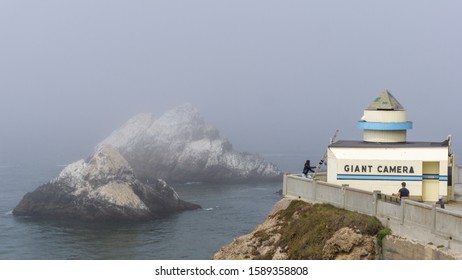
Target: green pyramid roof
{"x": 385, "y": 101}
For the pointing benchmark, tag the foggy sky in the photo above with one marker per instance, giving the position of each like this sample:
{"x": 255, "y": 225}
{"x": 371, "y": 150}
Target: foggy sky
{"x": 272, "y": 76}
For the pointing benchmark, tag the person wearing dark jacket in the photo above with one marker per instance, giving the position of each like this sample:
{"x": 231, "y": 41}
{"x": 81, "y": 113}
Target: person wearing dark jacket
{"x": 307, "y": 168}
{"x": 440, "y": 201}
{"x": 403, "y": 192}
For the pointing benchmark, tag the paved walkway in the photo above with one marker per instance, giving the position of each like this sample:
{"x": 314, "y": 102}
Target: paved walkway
{"x": 456, "y": 205}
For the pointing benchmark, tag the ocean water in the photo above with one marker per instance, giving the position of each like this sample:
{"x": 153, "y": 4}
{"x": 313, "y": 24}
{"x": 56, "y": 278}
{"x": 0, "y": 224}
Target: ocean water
{"x": 228, "y": 211}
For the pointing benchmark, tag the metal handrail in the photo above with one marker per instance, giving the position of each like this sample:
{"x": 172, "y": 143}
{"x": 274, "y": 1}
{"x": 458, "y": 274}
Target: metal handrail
{"x": 389, "y": 198}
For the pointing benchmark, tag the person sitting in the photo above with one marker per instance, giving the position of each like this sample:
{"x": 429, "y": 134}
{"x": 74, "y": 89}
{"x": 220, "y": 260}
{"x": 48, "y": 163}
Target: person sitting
{"x": 403, "y": 192}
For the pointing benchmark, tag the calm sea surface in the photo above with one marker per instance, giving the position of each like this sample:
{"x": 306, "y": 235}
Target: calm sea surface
{"x": 228, "y": 211}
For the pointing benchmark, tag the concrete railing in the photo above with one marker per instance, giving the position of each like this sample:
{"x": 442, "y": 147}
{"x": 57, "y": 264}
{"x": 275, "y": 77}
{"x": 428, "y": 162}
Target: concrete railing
{"x": 416, "y": 220}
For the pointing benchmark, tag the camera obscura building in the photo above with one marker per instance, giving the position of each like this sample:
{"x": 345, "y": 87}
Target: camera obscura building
{"x": 385, "y": 158}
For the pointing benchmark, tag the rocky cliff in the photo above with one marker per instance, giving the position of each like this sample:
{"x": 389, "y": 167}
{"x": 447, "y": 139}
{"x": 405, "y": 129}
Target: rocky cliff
{"x": 298, "y": 230}
{"x": 180, "y": 147}
{"x": 103, "y": 187}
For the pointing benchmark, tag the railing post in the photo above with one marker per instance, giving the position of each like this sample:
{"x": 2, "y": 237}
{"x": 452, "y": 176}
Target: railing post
{"x": 403, "y": 202}
{"x": 375, "y": 196}
{"x": 284, "y": 184}
{"x": 344, "y": 187}
{"x": 315, "y": 189}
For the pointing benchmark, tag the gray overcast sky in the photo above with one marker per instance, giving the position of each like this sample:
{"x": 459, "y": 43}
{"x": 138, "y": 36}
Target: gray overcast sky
{"x": 272, "y": 76}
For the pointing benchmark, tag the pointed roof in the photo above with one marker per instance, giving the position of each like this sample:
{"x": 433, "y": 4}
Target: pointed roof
{"x": 385, "y": 101}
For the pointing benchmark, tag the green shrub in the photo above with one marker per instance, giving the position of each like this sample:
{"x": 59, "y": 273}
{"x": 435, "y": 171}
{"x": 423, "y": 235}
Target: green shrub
{"x": 382, "y": 233}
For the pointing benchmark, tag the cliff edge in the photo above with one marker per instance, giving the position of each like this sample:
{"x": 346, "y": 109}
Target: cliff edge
{"x": 298, "y": 230}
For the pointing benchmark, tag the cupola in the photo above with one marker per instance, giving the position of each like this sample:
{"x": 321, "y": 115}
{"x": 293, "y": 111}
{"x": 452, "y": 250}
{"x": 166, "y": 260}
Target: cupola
{"x": 385, "y": 120}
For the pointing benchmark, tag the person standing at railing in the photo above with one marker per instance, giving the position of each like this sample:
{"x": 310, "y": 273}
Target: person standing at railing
{"x": 440, "y": 201}
{"x": 307, "y": 168}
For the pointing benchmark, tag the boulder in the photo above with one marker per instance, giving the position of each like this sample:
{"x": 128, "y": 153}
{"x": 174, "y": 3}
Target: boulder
{"x": 350, "y": 244}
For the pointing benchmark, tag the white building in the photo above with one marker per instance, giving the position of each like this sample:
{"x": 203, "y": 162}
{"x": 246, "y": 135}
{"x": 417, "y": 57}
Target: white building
{"x": 385, "y": 158}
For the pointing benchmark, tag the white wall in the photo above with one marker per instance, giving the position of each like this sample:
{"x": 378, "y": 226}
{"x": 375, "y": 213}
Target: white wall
{"x": 375, "y": 159}
{"x": 405, "y": 217}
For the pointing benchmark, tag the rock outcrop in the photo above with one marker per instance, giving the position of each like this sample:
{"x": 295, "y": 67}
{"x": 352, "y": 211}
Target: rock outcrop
{"x": 298, "y": 230}
{"x": 102, "y": 188}
{"x": 261, "y": 242}
{"x": 350, "y": 244}
{"x": 180, "y": 147}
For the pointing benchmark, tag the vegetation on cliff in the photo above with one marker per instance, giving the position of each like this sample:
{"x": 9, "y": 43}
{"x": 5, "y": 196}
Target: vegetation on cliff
{"x": 305, "y": 228}
{"x": 308, "y": 231}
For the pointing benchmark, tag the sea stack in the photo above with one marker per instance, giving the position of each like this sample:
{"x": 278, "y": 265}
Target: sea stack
{"x": 101, "y": 188}
{"x": 180, "y": 147}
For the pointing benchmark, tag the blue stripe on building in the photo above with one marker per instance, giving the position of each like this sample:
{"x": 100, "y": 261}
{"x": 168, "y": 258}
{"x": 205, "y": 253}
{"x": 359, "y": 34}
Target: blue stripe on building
{"x": 379, "y": 177}
{"x": 431, "y": 176}
{"x": 384, "y": 125}
{"x": 392, "y": 177}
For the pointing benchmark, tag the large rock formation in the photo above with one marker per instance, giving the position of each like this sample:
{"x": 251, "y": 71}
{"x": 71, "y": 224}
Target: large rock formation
{"x": 104, "y": 187}
{"x": 180, "y": 147}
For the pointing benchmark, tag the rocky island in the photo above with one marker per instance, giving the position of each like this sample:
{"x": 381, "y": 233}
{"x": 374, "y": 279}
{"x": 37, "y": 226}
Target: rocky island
{"x": 180, "y": 146}
{"x": 124, "y": 178}
{"x": 101, "y": 188}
